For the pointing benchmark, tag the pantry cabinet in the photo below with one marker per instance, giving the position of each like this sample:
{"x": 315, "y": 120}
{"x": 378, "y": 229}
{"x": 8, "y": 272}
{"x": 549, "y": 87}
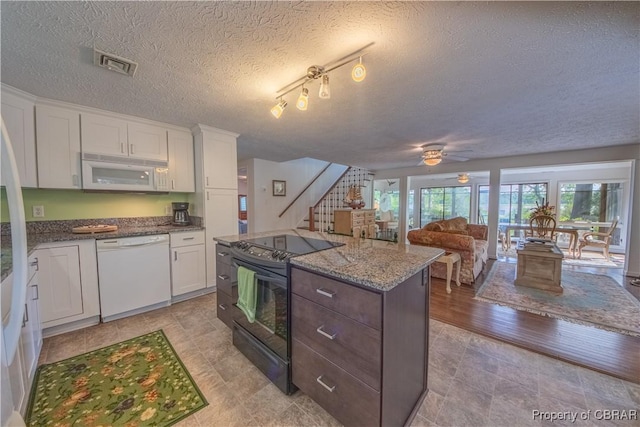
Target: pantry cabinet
{"x": 58, "y": 143}
{"x": 188, "y": 272}
{"x": 118, "y": 137}
{"x": 18, "y": 114}
{"x": 181, "y": 162}
{"x": 68, "y": 277}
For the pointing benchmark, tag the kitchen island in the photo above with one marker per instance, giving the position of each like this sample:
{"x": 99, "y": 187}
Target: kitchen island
{"x": 359, "y": 322}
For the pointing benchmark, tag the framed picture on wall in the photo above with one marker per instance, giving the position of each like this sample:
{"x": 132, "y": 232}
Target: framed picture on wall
{"x": 279, "y": 188}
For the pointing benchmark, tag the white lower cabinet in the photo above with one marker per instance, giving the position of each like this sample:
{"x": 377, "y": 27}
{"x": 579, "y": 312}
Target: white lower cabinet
{"x": 22, "y": 369}
{"x": 68, "y": 277}
{"x": 188, "y": 263}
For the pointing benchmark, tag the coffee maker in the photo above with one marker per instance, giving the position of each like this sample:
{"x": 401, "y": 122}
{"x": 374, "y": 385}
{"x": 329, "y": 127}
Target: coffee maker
{"x": 180, "y": 213}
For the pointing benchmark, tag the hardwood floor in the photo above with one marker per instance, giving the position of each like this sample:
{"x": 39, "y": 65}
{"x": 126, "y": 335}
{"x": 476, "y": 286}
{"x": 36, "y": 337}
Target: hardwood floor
{"x": 608, "y": 352}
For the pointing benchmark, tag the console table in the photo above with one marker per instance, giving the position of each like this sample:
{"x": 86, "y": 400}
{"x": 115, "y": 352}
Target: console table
{"x": 539, "y": 267}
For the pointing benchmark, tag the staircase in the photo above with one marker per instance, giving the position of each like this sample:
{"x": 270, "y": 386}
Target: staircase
{"x": 322, "y": 212}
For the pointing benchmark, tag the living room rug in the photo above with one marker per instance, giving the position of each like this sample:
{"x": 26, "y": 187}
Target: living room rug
{"x": 588, "y": 299}
{"x": 138, "y": 382}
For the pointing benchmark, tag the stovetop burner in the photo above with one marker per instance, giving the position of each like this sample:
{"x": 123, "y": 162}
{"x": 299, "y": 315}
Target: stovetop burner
{"x": 282, "y": 247}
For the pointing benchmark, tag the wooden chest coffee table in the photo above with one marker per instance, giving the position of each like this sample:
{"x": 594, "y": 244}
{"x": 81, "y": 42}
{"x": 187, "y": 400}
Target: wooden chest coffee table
{"x": 539, "y": 266}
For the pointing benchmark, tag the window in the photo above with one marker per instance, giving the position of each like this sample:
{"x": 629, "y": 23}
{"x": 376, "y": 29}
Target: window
{"x": 437, "y": 203}
{"x": 516, "y": 201}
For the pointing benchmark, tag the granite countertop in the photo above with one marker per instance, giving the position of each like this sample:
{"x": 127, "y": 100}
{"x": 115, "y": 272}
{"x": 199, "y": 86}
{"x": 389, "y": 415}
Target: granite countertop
{"x": 377, "y": 264}
{"x": 35, "y": 239}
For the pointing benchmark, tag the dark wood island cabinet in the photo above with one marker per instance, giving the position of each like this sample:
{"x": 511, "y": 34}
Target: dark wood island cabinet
{"x": 360, "y": 352}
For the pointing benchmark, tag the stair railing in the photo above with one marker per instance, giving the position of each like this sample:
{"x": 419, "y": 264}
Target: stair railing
{"x": 325, "y": 213}
{"x": 305, "y": 189}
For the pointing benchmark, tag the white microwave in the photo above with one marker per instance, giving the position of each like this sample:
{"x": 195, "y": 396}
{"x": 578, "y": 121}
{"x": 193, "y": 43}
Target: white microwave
{"x": 113, "y": 173}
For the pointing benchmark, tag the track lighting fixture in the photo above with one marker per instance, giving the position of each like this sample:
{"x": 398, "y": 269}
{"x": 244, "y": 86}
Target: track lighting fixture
{"x": 279, "y": 108}
{"x": 320, "y": 72}
{"x": 325, "y": 90}
{"x": 303, "y": 99}
{"x": 358, "y": 72}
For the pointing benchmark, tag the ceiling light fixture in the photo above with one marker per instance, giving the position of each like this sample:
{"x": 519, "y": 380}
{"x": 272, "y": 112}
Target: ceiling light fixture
{"x": 303, "y": 99}
{"x": 463, "y": 178}
{"x": 277, "y": 109}
{"x": 358, "y": 72}
{"x": 432, "y": 157}
{"x": 315, "y": 72}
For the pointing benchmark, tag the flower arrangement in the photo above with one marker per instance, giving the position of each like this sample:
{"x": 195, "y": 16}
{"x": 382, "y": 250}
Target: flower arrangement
{"x": 543, "y": 209}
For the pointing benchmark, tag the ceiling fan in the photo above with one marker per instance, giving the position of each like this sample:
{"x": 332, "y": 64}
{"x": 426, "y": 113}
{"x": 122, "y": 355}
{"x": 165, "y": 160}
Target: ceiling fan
{"x": 433, "y": 154}
{"x": 462, "y": 178}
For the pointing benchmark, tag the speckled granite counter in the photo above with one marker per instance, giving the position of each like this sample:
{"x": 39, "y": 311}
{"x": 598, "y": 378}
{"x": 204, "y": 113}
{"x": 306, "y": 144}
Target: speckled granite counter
{"x": 374, "y": 263}
{"x": 36, "y": 238}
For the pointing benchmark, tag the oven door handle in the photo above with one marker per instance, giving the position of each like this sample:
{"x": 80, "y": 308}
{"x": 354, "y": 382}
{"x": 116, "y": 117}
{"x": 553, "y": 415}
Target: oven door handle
{"x": 262, "y": 274}
{"x": 281, "y": 283}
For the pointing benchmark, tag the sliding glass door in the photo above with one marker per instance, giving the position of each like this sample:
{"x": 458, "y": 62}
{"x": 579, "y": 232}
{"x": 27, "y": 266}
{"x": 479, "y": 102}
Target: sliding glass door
{"x": 437, "y": 203}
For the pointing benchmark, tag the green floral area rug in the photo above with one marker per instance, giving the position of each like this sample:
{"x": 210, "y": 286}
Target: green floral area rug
{"x": 587, "y": 299}
{"x": 138, "y": 382}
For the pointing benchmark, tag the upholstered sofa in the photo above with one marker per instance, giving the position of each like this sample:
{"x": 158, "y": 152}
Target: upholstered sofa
{"x": 455, "y": 235}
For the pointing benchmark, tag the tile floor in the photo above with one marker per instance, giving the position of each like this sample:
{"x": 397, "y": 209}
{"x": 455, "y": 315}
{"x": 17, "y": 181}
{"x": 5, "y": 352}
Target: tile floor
{"x": 473, "y": 380}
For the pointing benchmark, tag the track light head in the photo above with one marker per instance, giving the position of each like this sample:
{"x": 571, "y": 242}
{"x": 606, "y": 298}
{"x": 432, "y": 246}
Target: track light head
{"x": 303, "y": 99}
{"x": 325, "y": 90}
{"x": 358, "y": 72}
{"x": 277, "y": 109}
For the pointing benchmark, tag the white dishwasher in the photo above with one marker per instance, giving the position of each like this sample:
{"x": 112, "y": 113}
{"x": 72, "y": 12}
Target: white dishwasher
{"x": 133, "y": 275}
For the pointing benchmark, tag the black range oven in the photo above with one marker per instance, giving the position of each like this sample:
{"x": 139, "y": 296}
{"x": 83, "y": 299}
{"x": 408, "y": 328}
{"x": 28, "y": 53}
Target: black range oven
{"x": 265, "y": 339}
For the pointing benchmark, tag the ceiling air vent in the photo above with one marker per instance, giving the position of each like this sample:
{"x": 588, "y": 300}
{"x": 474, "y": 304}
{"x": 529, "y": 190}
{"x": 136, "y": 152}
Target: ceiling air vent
{"x": 114, "y": 63}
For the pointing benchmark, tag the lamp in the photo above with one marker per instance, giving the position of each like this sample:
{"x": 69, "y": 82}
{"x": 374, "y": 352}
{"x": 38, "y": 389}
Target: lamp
{"x": 358, "y": 72}
{"x": 277, "y": 109}
{"x": 316, "y": 72}
{"x": 463, "y": 178}
{"x": 432, "y": 157}
{"x": 303, "y": 99}
{"x": 325, "y": 90}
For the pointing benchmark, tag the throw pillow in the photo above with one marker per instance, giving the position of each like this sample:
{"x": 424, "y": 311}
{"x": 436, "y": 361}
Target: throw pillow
{"x": 433, "y": 226}
{"x": 458, "y": 223}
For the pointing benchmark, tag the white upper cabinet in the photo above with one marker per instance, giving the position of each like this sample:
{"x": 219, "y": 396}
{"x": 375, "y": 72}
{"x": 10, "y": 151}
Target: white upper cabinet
{"x": 117, "y": 137}
{"x": 58, "y": 143}
{"x": 219, "y": 163}
{"x": 181, "y": 162}
{"x": 147, "y": 141}
{"x": 18, "y": 115}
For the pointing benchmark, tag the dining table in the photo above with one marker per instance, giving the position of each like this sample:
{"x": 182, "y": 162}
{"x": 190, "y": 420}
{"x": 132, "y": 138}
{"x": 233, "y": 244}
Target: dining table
{"x": 570, "y": 229}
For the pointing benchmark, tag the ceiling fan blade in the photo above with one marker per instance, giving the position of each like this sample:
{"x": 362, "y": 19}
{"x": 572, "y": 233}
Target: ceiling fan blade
{"x": 455, "y": 158}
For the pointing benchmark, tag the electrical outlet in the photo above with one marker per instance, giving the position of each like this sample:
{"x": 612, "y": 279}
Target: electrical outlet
{"x": 167, "y": 210}
{"x": 37, "y": 211}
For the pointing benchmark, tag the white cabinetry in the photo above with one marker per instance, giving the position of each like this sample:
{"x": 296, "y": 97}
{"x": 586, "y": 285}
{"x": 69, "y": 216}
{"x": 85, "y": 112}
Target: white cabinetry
{"x": 216, "y": 188}
{"x": 113, "y": 136}
{"x": 181, "y": 162}
{"x": 23, "y": 367}
{"x": 18, "y": 115}
{"x": 58, "y": 142}
{"x": 68, "y": 279}
{"x": 188, "y": 272}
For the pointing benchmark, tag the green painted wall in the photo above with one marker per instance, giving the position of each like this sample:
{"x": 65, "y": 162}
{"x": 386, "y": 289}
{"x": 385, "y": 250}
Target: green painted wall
{"x": 75, "y": 204}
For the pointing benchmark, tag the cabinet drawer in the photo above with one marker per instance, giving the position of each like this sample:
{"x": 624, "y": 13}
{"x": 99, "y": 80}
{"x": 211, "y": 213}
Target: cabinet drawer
{"x": 354, "y": 347}
{"x": 225, "y": 308}
{"x": 223, "y": 254}
{"x": 225, "y": 276}
{"x": 187, "y": 238}
{"x": 356, "y": 303}
{"x": 357, "y": 215}
{"x": 370, "y": 215}
{"x": 350, "y": 401}
{"x": 357, "y": 222}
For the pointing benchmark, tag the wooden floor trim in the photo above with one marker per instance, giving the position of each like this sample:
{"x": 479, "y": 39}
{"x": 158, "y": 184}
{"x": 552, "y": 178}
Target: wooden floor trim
{"x": 608, "y": 352}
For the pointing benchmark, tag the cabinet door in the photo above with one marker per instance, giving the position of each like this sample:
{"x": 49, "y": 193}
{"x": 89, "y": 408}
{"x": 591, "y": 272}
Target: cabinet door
{"x": 221, "y": 219}
{"x": 103, "y": 135}
{"x": 181, "y": 162}
{"x": 31, "y": 336}
{"x": 147, "y": 141}
{"x": 220, "y": 162}
{"x": 58, "y": 141}
{"x": 187, "y": 269}
{"x": 60, "y": 286}
{"x": 18, "y": 116}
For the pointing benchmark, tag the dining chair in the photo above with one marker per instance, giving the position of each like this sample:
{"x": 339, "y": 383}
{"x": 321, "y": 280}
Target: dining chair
{"x": 542, "y": 227}
{"x": 597, "y": 239}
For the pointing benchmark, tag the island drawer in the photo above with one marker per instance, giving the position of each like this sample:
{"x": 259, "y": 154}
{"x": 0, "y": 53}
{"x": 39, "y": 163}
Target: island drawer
{"x": 224, "y": 277}
{"x": 354, "y": 347}
{"x": 356, "y": 303}
{"x": 223, "y": 254}
{"x": 225, "y": 308}
{"x": 349, "y": 400}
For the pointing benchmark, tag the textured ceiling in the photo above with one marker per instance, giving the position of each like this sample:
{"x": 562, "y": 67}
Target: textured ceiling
{"x": 496, "y": 78}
